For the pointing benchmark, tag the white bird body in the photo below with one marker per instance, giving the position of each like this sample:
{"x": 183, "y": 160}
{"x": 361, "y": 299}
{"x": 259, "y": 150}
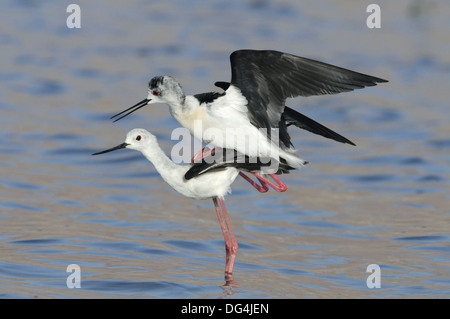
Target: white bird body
{"x": 224, "y": 123}
{"x": 204, "y": 186}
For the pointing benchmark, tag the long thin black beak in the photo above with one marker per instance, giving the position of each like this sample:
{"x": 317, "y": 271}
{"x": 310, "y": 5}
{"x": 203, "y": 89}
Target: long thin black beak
{"x": 132, "y": 109}
{"x": 118, "y": 147}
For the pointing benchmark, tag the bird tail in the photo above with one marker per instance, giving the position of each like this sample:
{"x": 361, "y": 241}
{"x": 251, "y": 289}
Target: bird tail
{"x": 300, "y": 120}
{"x": 290, "y": 158}
{"x": 283, "y": 155}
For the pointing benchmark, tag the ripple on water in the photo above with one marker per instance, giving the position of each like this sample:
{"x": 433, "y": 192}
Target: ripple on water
{"x": 430, "y": 243}
{"x": 391, "y": 160}
{"x": 430, "y": 178}
{"x": 440, "y": 143}
{"x": 11, "y": 270}
{"x": 160, "y": 289}
{"x": 428, "y": 238}
{"x": 24, "y": 186}
{"x": 192, "y": 245}
{"x": 18, "y": 206}
{"x": 43, "y": 87}
{"x": 371, "y": 178}
{"x": 39, "y": 242}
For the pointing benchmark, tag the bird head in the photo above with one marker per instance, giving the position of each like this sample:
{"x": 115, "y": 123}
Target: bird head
{"x": 161, "y": 89}
{"x": 137, "y": 139}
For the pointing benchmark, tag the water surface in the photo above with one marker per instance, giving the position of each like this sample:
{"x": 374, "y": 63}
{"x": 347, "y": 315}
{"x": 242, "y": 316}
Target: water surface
{"x": 384, "y": 202}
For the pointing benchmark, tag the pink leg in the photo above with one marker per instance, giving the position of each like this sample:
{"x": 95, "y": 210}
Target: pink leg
{"x": 234, "y": 245}
{"x": 231, "y": 245}
{"x": 279, "y": 186}
{"x": 262, "y": 189}
{"x": 201, "y": 154}
{"x": 222, "y": 224}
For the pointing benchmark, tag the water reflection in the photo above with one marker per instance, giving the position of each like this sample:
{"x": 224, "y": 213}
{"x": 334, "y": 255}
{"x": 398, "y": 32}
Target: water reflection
{"x": 229, "y": 287}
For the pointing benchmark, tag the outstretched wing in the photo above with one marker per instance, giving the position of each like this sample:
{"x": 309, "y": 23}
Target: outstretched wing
{"x": 292, "y": 117}
{"x": 266, "y": 78}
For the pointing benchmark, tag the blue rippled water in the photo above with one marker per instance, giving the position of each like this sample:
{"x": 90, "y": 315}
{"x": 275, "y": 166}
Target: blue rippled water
{"x": 385, "y": 201}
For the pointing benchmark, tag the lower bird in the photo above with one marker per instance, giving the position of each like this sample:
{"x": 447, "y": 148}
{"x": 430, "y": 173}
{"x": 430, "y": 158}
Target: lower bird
{"x": 209, "y": 178}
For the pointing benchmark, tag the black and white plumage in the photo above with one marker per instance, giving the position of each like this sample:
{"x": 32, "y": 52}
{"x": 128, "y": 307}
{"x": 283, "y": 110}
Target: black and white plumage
{"x": 215, "y": 184}
{"x": 255, "y": 99}
{"x": 268, "y": 78}
{"x": 292, "y": 117}
{"x": 219, "y": 159}
{"x": 214, "y": 175}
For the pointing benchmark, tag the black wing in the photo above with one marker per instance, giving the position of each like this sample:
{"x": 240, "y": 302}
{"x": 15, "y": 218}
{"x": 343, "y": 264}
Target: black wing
{"x": 231, "y": 158}
{"x": 292, "y": 117}
{"x": 267, "y": 78}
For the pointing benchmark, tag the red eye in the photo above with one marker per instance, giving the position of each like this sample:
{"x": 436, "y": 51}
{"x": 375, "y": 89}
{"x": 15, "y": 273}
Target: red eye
{"x": 138, "y": 138}
{"x": 155, "y": 92}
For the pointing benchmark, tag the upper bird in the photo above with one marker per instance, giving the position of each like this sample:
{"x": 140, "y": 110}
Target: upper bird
{"x": 252, "y": 108}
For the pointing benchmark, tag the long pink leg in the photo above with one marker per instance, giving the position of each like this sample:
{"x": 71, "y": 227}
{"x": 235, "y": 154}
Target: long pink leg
{"x": 231, "y": 245}
{"x": 224, "y": 229}
{"x": 233, "y": 249}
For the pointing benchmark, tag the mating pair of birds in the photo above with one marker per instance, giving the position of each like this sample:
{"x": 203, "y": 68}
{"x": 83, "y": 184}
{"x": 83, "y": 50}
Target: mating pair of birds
{"x": 254, "y": 103}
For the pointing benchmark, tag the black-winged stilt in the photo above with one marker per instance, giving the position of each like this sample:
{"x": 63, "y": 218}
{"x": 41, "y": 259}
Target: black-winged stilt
{"x": 213, "y": 179}
{"x": 253, "y": 104}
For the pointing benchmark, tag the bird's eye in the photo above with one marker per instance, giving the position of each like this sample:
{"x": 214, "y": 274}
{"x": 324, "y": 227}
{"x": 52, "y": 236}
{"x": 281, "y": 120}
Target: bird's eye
{"x": 138, "y": 138}
{"x": 155, "y": 92}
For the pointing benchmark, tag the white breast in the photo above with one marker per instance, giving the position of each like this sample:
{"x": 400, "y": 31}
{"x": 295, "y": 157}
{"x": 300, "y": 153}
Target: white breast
{"x": 208, "y": 185}
{"x": 225, "y": 123}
